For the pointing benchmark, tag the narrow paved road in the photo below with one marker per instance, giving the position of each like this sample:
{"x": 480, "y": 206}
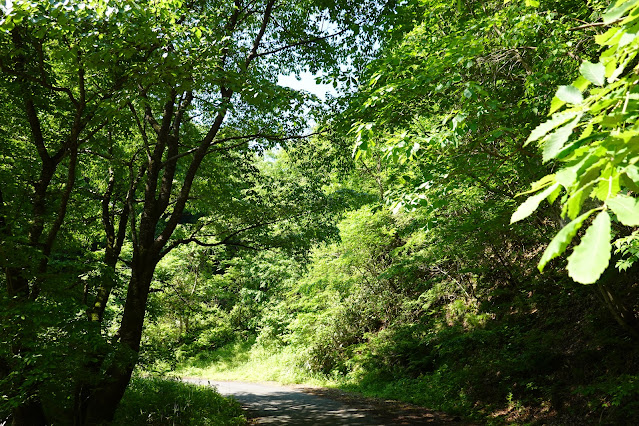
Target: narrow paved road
{"x": 289, "y": 405}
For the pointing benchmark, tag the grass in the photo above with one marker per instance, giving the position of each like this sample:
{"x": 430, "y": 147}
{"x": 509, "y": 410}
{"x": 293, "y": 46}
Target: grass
{"x": 252, "y": 363}
{"x": 160, "y": 401}
{"x": 244, "y": 361}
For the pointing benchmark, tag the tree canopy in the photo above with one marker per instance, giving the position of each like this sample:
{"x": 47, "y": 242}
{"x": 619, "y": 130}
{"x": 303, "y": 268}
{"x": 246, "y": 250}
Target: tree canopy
{"x": 163, "y": 198}
{"x": 134, "y": 129}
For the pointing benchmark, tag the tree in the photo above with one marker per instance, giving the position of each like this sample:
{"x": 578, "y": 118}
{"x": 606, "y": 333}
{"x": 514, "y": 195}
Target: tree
{"x": 59, "y": 101}
{"x": 600, "y": 163}
{"x": 151, "y": 96}
{"x": 445, "y": 112}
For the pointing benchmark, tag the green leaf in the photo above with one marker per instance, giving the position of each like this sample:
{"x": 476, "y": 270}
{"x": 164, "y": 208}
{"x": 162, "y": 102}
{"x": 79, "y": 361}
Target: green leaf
{"x": 555, "y": 141}
{"x": 620, "y": 69}
{"x": 552, "y": 197}
{"x": 545, "y": 127}
{"x": 541, "y": 183}
{"x": 627, "y": 182}
{"x": 555, "y": 104}
{"x": 601, "y": 39}
{"x": 611, "y": 66}
{"x": 594, "y": 73}
{"x": 626, "y": 208}
{"x": 361, "y": 146}
{"x": 581, "y": 83}
{"x": 608, "y": 184}
{"x": 558, "y": 244}
{"x": 591, "y": 257}
{"x": 633, "y": 173}
{"x": 570, "y": 94}
{"x": 531, "y": 204}
{"x": 618, "y": 10}
{"x": 626, "y": 39}
{"x": 567, "y": 176}
{"x": 573, "y": 205}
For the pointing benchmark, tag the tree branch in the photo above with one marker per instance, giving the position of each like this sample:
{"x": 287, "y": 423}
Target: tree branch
{"x": 247, "y": 138}
{"x": 148, "y": 113}
{"x": 301, "y": 43}
{"x": 227, "y": 239}
{"x": 143, "y": 134}
{"x": 36, "y": 130}
{"x": 595, "y": 24}
{"x": 258, "y": 39}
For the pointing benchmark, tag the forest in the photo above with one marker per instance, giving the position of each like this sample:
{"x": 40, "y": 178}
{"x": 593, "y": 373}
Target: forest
{"x": 455, "y": 226}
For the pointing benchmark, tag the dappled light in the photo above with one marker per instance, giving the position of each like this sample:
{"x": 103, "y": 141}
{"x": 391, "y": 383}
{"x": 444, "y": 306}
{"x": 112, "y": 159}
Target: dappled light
{"x": 287, "y": 407}
{"x": 273, "y": 404}
{"x": 449, "y": 235}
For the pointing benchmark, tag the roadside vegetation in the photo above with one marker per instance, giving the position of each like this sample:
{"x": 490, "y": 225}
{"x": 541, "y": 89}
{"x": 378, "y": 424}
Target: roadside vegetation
{"x": 509, "y": 354}
{"x": 158, "y": 401}
{"x": 458, "y": 230}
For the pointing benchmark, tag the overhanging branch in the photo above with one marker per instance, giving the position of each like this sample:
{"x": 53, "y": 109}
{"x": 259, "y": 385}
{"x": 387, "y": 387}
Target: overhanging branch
{"x": 595, "y": 24}
{"x": 300, "y": 43}
{"x": 227, "y": 240}
{"x": 244, "y": 139}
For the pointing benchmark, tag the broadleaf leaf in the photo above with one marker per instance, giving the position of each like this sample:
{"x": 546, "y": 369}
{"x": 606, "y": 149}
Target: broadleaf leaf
{"x": 531, "y": 204}
{"x": 618, "y": 10}
{"x": 559, "y": 244}
{"x": 545, "y": 127}
{"x": 591, "y": 257}
{"x": 570, "y": 94}
{"x": 555, "y": 141}
{"x": 594, "y": 73}
{"x": 626, "y": 208}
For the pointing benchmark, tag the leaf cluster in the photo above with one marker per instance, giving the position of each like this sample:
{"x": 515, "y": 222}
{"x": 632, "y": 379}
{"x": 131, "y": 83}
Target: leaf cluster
{"x": 593, "y": 133}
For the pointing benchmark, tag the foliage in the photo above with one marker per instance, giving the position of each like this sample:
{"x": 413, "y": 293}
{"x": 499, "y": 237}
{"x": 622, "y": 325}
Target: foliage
{"x": 457, "y": 91}
{"x": 159, "y": 401}
{"x": 430, "y": 295}
{"x": 133, "y": 131}
{"x": 600, "y": 108}
{"x": 163, "y": 203}
{"x": 612, "y": 395}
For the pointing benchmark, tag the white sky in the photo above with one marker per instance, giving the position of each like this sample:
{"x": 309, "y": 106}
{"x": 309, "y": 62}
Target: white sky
{"x": 307, "y": 83}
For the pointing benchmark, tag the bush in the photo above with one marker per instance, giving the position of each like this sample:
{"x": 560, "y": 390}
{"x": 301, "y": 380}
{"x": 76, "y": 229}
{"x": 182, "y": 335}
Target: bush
{"x": 158, "y": 401}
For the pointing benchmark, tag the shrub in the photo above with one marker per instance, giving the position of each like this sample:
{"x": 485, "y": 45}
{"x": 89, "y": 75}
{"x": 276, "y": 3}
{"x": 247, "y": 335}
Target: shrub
{"x": 159, "y": 401}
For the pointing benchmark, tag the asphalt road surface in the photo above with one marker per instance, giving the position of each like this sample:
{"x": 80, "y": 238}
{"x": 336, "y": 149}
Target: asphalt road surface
{"x": 293, "y": 405}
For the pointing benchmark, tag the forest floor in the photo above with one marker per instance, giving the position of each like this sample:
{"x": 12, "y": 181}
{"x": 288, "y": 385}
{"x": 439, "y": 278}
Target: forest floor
{"x": 271, "y": 403}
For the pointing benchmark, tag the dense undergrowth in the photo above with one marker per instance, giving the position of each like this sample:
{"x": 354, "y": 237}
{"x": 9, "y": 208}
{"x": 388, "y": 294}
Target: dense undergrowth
{"x": 510, "y": 371}
{"x": 430, "y": 294}
{"x": 375, "y": 253}
{"x": 160, "y": 401}
{"x": 543, "y": 350}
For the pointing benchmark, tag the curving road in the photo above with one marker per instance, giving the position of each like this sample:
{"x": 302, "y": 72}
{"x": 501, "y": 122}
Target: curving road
{"x": 291, "y": 405}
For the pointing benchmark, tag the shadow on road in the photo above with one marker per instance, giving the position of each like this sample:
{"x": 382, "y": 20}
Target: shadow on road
{"x": 295, "y": 408}
{"x": 285, "y": 405}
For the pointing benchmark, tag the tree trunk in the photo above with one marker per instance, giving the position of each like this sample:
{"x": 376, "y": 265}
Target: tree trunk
{"x": 30, "y": 411}
{"x": 104, "y": 399}
{"x": 622, "y": 314}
